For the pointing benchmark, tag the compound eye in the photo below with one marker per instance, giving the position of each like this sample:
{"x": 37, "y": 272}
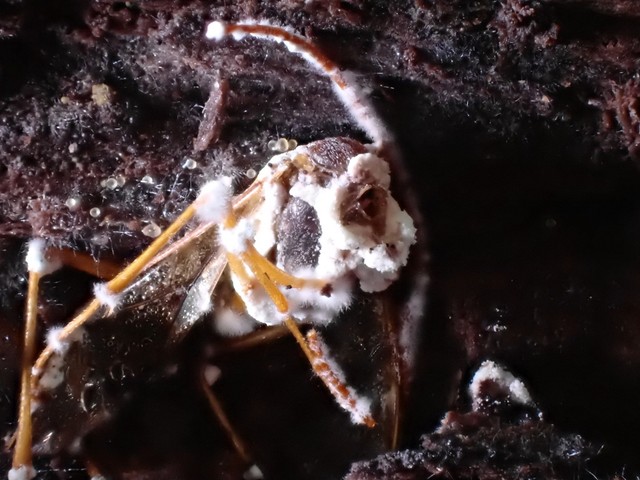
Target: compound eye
{"x": 365, "y": 205}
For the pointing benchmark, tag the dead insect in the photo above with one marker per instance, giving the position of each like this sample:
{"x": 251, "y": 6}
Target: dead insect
{"x": 317, "y": 222}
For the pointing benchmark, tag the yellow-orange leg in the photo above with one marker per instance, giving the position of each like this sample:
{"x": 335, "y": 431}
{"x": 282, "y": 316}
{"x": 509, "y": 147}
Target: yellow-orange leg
{"x": 256, "y": 263}
{"x": 60, "y": 257}
{"x": 22, "y": 450}
{"x": 121, "y": 281}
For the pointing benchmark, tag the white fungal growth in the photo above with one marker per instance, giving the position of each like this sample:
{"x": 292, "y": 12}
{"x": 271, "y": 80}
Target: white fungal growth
{"x": 216, "y": 31}
{"x": 236, "y": 239}
{"x": 54, "y": 341}
{"x": 23, "y": 472}
{"x": 53, "y": 375}
{"x": 232, "y": 324}
{"x": 491, "y": 371}
{"x": 214, "y": 201}
{"x": 106, "y": 297}
{"x": 344, "y": 250}
{"x": 36, "y": 258}
{"x": 257, "y": 302}
{"x": 346, "y": 87}
{"x": 369, "y": 168}
{"x": 311, "y": 305}
{"x": 376, "y": 261}
{"x": 274, "y": 197}
{"x": 333, "y": 377}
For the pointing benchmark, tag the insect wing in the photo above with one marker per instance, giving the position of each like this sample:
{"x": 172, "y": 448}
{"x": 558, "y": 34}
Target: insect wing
{"x": 198, "y": 300}
{"x": 82, "y": 383}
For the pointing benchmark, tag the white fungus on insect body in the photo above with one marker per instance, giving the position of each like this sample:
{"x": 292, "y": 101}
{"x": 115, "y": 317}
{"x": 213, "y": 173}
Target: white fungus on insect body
{"x": 229, "y": 323}
{"x": 23, "y": 472}
{"x": 55, "y": 342}
{"x": 330, "y": 372}
{"x": 346, "y": 87}
{"x": 344, "y": 249}
{"x": 106, "y": 297}
{"x": 53, "y": 375}
{"x": 237, "y": 238}
{"x": 214, "y": 200}
{"x": 36, "y": 258}
{"x": 354, "y": 248}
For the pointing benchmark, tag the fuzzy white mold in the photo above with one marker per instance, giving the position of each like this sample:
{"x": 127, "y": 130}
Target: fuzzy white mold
{"x": 344, "y": 250}
{"x": 36, "y": 259}
{"x": 55, "y": 342}
{"x": 232, "y": 324}
{"x": 358, "y": 407}
{"x": 216, "y": 31}
{"x": 23, "y": 472}
{"x": 344, "y": 83}
{"x": 237, "y": 238}
{"x": 491, "y": 371}
{"x": 106, "y": 297}
{"x": 214, "y": 200}
{"x": 355, "y": 248}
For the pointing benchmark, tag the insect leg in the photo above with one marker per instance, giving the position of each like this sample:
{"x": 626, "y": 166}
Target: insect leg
{"x": 104, "y": 269}
{"x": 38, "y": 265}
{"x": 218, "y": 411}
{"x": 347, "y": 90}
{"x": 121, "y": 281}
{"x": 311, "y": 346}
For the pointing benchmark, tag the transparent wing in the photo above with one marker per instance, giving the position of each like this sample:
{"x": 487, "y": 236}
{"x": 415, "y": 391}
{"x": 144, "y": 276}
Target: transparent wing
{"x": 198, "y": 299}
{"x": 84, "y": 381}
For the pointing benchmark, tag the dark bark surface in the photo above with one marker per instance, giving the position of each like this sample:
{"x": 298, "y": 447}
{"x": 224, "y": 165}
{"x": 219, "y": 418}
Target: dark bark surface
{"x": 519, "y": 126}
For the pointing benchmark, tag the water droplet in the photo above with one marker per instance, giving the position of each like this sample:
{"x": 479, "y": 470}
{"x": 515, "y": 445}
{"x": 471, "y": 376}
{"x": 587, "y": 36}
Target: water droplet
{"x": 281, "y": 145}
{"x": 95, "y": 212}
{"x": 111, "y": 183}
{"x": 152, "y": 230}
{"x": 251, "y": 173}
{"x": 72, "y": 203}
{"x": 90, "y": 397}
{"x": 148, "y": 179}
{"x": 190, "y": 164}
{"x": 292, "y": 144}
{"x": 121, "y": 180}
{"x": 73, "y": 147}
{"x": 271, "y": 145}
{"x": 103, "y": 183}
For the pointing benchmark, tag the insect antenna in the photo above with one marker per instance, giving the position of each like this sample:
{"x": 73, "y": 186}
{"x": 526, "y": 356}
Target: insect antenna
{"x": 347, "y": 89}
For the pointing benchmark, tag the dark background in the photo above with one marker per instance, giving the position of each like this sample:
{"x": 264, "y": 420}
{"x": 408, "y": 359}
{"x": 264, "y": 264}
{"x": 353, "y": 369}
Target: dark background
{"x": 519, "y": 126}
